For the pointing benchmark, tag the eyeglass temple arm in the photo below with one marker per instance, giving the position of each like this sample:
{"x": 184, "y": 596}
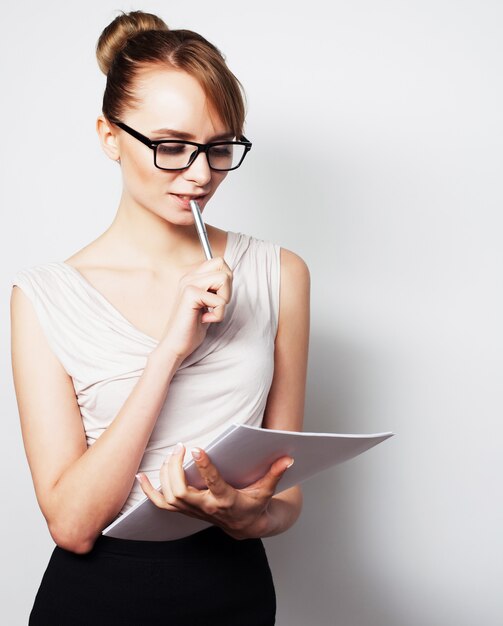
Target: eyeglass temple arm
{"x": 134, "y": 133}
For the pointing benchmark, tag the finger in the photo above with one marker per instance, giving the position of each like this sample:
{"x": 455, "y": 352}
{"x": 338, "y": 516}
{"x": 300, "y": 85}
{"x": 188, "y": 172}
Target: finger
{"x": 174, "y": 483}
{"x": 198, "y": 299}
{"x": 153, "y": 494}
{"x": 211, "y": 476}
{"x": 215, "y": 282}
{"x": 213, "y": 313}
{"x": 198, "y": 296}
{"x": 269, "y": 481}
{"x": 173, "y": 468}
{"x": 214, "y": 276}
{"x": 216, "y": 264}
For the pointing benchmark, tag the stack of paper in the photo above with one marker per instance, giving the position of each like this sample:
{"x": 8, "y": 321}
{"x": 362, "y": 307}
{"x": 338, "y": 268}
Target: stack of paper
{"x": 243, "y": 454}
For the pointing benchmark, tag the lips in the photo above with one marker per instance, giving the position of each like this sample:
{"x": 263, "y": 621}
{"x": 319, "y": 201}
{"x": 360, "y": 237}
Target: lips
{"x": 184, "y": 199}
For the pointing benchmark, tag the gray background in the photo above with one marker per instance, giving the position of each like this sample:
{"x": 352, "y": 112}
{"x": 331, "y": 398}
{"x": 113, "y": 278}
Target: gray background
{"x": 377, "y": 130}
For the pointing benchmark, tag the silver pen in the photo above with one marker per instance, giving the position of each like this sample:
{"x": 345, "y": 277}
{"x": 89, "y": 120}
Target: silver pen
{"x": 201, "y": 229}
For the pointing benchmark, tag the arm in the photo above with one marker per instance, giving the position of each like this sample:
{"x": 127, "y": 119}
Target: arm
{"x": 254, "y": 511}
{"x": 285, "y": 403}
{"x": 79, "y": 489}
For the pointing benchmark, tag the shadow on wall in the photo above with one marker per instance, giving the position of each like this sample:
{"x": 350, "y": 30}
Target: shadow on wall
{"x": 325, "y": 566}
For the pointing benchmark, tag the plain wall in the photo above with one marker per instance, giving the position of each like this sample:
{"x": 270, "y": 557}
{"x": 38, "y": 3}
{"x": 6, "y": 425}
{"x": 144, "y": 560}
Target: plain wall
{"x": 377, "y": 156}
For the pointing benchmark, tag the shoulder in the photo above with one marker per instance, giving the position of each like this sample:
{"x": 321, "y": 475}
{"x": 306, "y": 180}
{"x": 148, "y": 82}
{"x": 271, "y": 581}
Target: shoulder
{"x": 290, "y": 261}
{"x": 29, "y": 312}
{"x": 30, "y": 277}
{"x": 294, "y": 269}
{"x": 295, "y": 291}
{"x": 250, "y": 253}
{"x": 27, "y": 280}
{"x": 27, "y": 277}
{"x": 34, "y": 271}
{"x": 44, "y": 285}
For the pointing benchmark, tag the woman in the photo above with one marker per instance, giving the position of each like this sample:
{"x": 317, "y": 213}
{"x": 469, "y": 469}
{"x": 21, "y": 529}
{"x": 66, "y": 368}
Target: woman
{"x": 134, "y": 344}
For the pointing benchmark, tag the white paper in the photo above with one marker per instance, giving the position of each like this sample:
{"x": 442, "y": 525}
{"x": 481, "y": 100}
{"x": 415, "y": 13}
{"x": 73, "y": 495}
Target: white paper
{"x": 243, "y": 454}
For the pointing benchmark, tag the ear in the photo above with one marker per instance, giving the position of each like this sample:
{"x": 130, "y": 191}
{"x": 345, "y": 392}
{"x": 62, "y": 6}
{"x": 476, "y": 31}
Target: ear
{"x": 108, "y": 138}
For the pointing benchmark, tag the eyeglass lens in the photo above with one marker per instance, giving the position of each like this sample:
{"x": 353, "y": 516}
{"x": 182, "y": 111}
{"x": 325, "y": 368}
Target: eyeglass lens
{"x": 178, "y": 155}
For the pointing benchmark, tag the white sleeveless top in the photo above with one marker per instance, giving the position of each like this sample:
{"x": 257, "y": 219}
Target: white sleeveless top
{"x": 225, "y": 380}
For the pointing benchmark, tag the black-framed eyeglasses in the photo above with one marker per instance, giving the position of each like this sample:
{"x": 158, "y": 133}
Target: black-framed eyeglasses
{"x": 177, "y": 154}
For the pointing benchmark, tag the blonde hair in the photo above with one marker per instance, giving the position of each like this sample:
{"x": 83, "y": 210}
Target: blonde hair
{"x": 138, "y": 40}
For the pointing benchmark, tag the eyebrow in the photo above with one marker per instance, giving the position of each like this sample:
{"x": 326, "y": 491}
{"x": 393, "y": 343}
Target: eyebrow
{"x": 179, "y": 134}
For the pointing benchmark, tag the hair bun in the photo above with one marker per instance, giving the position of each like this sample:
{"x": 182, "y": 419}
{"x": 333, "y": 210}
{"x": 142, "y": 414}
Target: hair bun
{"x": 115, "y": 36}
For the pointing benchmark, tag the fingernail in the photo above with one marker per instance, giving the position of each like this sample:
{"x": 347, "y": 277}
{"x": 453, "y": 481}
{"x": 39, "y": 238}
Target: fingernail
{"x": 291, "y": 463}
{"x": 178, "y": 448}
{"x": 138, "y": 477}
{"x": 196, "y": 453}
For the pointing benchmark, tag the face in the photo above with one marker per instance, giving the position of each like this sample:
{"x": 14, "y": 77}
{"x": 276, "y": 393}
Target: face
{"x": 170, "y": 99}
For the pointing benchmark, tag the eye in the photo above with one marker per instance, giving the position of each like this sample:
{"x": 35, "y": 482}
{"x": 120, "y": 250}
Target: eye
{"x": 224, "y": 150}
{"x": 172, "y": 148}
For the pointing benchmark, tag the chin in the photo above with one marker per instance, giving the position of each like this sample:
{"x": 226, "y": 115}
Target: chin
{"x": 177, "y": 217}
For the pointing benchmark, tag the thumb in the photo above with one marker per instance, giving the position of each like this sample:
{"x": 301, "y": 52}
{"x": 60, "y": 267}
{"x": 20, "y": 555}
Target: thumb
{"x": 276, "y": 471}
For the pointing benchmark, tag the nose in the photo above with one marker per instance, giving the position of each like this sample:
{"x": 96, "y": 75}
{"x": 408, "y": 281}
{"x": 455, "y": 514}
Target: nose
{"x": 199, "y": 170}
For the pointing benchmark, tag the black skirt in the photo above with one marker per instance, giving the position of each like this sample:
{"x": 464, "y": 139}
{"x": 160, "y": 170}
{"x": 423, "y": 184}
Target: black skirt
{"x": 207, "y": 579}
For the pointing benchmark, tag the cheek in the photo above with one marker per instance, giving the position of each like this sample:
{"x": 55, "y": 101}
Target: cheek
{"x": 140, "y": 167}
{"x": 143, "y": 178}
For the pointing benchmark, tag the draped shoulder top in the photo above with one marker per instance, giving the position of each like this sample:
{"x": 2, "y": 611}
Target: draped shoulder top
{"x": 225, "y": 380}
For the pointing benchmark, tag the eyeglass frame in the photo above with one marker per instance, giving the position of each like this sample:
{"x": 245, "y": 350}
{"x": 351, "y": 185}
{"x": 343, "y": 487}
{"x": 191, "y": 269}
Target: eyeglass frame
{"x": 201, "y": 147}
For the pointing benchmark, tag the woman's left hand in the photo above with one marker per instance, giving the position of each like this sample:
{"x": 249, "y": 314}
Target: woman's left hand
{"x": 241, "y": 513}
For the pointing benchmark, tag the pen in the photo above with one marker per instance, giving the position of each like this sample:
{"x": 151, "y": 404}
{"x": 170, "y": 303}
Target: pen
{"x": 201, "y": 229}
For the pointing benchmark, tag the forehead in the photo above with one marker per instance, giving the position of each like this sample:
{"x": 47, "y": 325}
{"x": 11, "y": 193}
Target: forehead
{"x": 174, "y": 99}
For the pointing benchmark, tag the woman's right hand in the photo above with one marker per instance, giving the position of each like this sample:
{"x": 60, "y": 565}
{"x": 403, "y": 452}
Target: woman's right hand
{"x": 209, "y": 285}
